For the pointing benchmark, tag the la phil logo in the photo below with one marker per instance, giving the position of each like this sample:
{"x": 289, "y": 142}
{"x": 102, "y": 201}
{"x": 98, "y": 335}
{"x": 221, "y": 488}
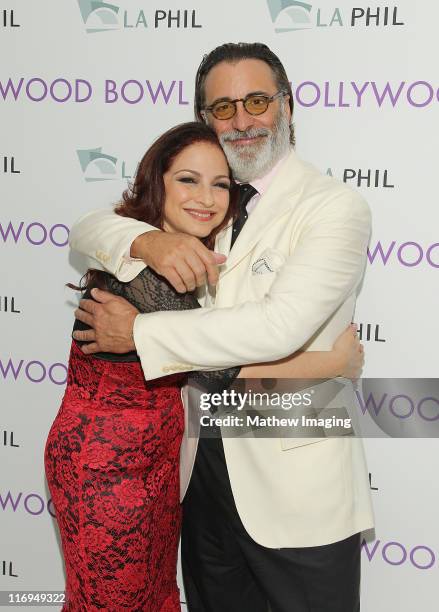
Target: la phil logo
{"x": 370, "y": 178}
{"x": 409, "y": 254}
{"x": 369, "y": 332}
{"x": 34, "y": 233}
{"x": 421, "y": 557}
{"x": 7, "y": 569}
{"x": 9, "y": 165}
{"x": 9, "y": 305}
{"x": 99, "y": 166}
{"x": 104, "y": 17}
{"x": 34, "y": 371}
{"x": 8, "y": 19}
{"x": 8, "y": 438}
{"x": 292, "y": 15}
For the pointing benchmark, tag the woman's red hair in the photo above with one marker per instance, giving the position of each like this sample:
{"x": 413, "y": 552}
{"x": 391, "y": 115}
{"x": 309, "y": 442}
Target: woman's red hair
{"x": 144, "y": 199}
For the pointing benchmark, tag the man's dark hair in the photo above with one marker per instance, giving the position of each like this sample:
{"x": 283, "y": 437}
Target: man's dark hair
{"x": 232, "y": 53}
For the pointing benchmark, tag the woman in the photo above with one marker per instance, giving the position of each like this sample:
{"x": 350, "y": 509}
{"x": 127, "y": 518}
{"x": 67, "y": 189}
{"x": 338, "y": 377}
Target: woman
{"x": 112, "y": 454}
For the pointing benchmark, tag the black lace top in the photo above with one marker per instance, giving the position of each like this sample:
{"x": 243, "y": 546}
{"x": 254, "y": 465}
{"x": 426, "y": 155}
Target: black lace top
{"x": 150, "y": 292}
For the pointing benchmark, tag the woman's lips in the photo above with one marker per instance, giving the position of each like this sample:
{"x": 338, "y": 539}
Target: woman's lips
{"x": 199, "y": 215}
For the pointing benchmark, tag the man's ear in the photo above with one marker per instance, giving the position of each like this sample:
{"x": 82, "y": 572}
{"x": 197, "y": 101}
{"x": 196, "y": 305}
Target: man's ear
{"x": 204, "y": 116}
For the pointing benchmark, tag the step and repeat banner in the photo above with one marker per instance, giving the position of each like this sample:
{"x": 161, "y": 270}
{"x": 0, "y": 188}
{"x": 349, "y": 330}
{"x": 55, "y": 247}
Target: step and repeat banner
{"x": 85, "y": 86}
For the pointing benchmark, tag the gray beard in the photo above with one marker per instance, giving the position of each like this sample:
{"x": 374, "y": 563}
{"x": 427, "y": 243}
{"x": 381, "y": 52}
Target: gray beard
{"x": 250, "y": 162}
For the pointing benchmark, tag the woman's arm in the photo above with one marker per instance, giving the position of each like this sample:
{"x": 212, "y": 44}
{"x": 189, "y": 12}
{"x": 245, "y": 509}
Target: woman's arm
{"x": 345, "y": 359}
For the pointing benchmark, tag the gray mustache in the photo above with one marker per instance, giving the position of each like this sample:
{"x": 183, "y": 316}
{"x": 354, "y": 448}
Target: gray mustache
{"x": 251, "y": 133}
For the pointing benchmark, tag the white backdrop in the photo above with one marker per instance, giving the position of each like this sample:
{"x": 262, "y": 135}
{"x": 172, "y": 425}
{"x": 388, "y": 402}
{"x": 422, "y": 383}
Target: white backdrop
{"x": 366, "y": 100}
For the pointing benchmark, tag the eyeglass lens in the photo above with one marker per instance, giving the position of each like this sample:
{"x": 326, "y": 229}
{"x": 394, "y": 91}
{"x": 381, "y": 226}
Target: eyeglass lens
{"x": 255, "y": 105}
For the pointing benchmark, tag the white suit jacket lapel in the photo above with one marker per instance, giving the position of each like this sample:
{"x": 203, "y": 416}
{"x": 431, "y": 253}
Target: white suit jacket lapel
{"x": 223, "y": 240}
{"x": 275, "y": 202}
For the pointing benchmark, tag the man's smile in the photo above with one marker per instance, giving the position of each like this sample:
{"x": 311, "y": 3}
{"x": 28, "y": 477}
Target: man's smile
{"x": 245, "y": 140}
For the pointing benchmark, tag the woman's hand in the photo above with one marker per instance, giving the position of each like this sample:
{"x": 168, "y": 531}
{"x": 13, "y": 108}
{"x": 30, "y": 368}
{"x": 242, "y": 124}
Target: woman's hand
{"x": 349, "y": 352}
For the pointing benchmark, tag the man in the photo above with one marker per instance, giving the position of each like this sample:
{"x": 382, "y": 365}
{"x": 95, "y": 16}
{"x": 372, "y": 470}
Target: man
{"x": 266, "y": 520}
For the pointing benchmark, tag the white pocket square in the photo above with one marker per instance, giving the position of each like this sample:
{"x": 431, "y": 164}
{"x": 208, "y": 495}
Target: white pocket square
{"x": 268, "y": 261}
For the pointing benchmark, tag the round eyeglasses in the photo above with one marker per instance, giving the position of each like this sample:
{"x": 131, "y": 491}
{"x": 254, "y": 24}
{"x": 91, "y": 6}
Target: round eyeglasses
{"x": 254, "y": 104}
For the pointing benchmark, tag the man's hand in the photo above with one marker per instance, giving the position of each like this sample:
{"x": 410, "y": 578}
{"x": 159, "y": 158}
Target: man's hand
{"x": 112, "y": 320}
{"x": 182, "y": 259}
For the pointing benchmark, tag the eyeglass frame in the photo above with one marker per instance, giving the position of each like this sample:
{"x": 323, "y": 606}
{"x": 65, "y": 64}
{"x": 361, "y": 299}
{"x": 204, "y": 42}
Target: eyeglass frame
{"x": 270, "y": 99}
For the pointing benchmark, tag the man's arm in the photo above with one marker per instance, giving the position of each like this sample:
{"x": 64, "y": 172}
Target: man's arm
{"x": 317, "y": 278}
{"x": 115, "y": 241}
{"x": 107, "y": 237}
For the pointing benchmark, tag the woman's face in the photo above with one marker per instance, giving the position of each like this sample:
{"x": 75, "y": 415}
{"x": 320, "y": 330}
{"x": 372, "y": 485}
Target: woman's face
{"x": 197, "y": 190}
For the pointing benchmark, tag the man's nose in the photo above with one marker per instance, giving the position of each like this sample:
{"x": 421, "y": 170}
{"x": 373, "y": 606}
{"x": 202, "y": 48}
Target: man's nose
{"x": 242, "y": 120}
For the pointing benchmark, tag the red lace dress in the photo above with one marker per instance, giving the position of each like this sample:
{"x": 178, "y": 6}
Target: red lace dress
{"x": 112, "y": 465}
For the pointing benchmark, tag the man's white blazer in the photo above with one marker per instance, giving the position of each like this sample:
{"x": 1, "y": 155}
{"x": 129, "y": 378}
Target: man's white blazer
{"x": 290, "y": 281}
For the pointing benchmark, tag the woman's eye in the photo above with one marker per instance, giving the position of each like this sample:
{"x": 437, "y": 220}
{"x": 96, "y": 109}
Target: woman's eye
{"x": 223, "y": 185}
{"x": 186, "y": 179}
